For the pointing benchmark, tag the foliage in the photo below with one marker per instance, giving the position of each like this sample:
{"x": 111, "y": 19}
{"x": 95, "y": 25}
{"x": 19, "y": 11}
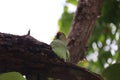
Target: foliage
{"x": 65, "y": 21}
{"x": 104, "y": 48}
{"x": 113, "y": 70}
{"x": 11, "y": 76}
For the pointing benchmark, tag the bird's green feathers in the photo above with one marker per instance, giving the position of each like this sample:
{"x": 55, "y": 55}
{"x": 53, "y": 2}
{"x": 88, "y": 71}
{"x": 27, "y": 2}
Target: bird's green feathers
{"x": 59, "y": 47}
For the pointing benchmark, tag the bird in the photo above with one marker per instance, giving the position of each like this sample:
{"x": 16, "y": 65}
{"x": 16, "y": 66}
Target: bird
{"x": 59, "y": 46}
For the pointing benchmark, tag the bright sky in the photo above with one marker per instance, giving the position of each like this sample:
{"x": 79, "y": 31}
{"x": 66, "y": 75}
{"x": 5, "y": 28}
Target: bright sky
{"x": 40, "y": 16}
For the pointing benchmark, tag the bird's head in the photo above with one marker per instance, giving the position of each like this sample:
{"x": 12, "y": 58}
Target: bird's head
{"x": 60, "y": 36}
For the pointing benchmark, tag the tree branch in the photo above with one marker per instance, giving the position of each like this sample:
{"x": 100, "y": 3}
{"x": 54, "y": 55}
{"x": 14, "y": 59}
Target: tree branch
{"x": 82, "y": 26}
{"x": 31, "y": 57}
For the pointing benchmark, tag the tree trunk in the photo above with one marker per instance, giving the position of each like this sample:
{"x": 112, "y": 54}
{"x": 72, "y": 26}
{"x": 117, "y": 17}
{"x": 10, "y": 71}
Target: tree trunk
{"x": 82, "y": 26}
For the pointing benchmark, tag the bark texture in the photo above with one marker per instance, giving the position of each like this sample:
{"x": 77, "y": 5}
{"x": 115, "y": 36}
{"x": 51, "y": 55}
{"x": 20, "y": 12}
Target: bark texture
{"x": 82, "y": 26}
{"x": 36, "y": 60}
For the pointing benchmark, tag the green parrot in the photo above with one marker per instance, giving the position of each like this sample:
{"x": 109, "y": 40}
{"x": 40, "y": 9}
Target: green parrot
{"x": 59, "y": 46}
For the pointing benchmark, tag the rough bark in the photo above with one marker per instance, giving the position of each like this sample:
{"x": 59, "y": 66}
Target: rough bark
{"x": 82, "y": 26}
{"x": 33, "y": 58}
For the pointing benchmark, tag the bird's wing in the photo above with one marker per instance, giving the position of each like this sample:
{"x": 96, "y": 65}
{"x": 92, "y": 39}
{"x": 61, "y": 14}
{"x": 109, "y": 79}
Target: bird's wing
{"x": 59, "y": 48}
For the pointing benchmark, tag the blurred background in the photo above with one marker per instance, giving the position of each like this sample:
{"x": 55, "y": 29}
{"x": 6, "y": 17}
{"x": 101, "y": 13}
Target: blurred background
{"x": 40, "y": 16}
{"x": 44, "y": 18}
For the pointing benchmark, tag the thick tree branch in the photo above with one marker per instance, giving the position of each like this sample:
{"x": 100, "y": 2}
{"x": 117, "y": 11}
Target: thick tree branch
{"x": 83, "y": 24}
{"x": 30, "y": 57}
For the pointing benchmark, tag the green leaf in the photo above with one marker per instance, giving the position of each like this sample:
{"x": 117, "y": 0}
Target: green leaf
{"x": 74, "y": 2}
{"x": 11, "y": 76}
{"x": 112, "y": 72}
